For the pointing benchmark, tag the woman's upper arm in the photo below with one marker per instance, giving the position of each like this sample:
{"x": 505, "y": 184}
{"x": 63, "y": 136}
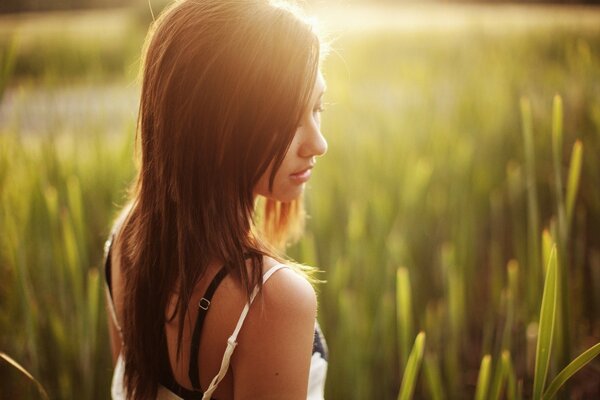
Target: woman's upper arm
{"x": 272, "y": 358}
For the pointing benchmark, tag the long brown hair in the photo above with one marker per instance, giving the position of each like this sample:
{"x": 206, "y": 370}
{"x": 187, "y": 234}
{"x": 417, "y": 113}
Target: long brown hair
{"x": 224, "y": 85}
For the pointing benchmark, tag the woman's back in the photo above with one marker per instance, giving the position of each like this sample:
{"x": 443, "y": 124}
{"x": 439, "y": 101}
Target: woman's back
{"x": 280, "y": 325}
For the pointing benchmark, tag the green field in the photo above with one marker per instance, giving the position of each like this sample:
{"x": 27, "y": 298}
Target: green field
{"x": 464, "y": 145}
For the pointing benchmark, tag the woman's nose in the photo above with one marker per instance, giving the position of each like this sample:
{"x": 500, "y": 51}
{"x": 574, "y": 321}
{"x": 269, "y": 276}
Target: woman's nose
{"x": 314, "y": 143}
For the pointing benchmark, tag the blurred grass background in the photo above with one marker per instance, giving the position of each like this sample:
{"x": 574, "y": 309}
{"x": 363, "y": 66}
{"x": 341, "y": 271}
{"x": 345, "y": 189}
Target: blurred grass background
{"x": 426, "y": 214}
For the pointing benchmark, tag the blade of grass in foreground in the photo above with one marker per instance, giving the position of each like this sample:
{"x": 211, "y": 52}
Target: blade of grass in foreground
{"x": 404, "y": 312}
{"x": 503, "y": 377}
{"x": 20, "y": 368}
{"x": 546, "y": 326}
{"x": 570, "y": 370}
{"x": 413, "y": 365}
{"x": 499, "y": 378}
{"x": 547, "y": 243}
{"x": 573, "y": 179}
{"x": 483, "y": 380}
{"x": 557, "y": 145}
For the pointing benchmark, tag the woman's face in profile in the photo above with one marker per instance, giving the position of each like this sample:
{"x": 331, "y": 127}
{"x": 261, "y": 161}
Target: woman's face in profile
{"x": 307, "y": 144}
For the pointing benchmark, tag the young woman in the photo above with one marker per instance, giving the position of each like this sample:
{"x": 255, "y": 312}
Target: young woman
{"x": 202, "y": 303}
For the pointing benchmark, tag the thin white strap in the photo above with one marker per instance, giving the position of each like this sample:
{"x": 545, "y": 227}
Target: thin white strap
{"x": 231, "y": 341}
{"x": 111, "y": 304}
{"x": 113, "y": 312}
{"x": 266, "y": 276}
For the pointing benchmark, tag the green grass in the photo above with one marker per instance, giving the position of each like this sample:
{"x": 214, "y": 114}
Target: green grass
{"x": 453, "y": 169}
{"x": 413, "y": 365}
{"x": 483, "y": 379}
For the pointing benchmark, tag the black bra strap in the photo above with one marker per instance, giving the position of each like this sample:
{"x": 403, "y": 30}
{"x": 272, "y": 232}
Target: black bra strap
{"x": 108, "y": 264}
{"x": 202, "y": 310}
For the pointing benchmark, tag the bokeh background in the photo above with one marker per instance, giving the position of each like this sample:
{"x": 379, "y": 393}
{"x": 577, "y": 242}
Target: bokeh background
{"x": 464, "y": 142}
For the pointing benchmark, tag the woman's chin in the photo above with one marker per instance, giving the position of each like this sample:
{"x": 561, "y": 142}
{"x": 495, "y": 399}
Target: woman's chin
{"x": 288, "y": 195}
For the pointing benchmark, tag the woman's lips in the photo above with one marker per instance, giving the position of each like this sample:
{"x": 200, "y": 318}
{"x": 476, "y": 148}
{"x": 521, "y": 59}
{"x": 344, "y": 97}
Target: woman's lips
{"x": 302, "y": 175}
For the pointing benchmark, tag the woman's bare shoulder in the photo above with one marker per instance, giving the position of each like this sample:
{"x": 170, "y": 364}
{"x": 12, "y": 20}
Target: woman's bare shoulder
{"x": 287, "y": 290}
{"x": 279, "y": 328}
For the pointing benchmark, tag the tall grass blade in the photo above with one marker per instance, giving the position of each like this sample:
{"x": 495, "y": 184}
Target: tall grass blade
{"x": 546, "y": 326}
{"x": 557, "y": 129}
{"x": 21, "y": 369}
{"x": 404, "y": 312}
{"x": 499, "y": 378}
{"x": 504, "y": 374}
{"x": 573, "y": 180}
{"x": 570, "y": 370}
{"x": 547, "y": 243}
{"x": 557, "y": 144}
{"x": 483, "y": 380}
{"x": 413, "y": 366}
{"x": 562, "y": 339}
{"x": 513, "y": 278}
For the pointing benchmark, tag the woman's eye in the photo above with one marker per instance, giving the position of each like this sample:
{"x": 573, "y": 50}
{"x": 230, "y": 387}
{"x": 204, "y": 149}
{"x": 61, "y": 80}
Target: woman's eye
{"x": 319, "y": 109}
